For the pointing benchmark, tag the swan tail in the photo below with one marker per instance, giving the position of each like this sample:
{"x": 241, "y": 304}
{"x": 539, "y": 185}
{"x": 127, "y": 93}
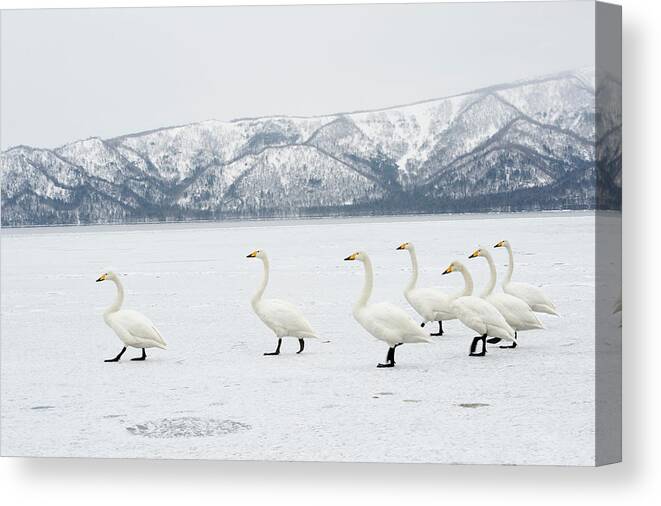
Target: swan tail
{"x": 546, "y": 309}
{"x": 423, "y": 338}
{"x": 160, "y": 342}
{"x": 535, "y": 324}
{"x": 502, "y": 332}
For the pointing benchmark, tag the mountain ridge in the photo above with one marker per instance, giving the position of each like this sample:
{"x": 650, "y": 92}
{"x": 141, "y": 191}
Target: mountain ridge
{"x": 513, "y": 146}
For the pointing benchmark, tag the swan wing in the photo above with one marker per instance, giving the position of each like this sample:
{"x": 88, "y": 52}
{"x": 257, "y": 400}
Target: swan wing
{"x": 468, "y": 312}
{"x": 515, "y": 311}
{"x": 430, "y": 303}
{"x": 392, "y": 324}
{"x": 284, "y": 318}
{"x": 140, "y": 327}
{"x": 483, "y": 317}
{"x": 531, "y": 295}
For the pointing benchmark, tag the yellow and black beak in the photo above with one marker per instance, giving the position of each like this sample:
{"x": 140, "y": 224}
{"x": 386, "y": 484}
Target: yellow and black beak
{"x": 252, "y": 255}
{"x": 500, "y": 244}
{"x": 102, "y": 277}
{"x": 402, "y": 246}
{"x": 475, "y": 254}
{"x": 351, "y": 257}
{"x": 449, "y": 269}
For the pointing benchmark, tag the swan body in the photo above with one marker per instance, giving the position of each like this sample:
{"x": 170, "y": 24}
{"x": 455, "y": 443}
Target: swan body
{"x": 478, "y": 314}
{"x": 384, "y": 321}
{"x": 531, "y": 295}
{"x": 431, "y": 304}
{"x": 133, "y": 328}
{"x": 516, "y": 312}
{"x": 281, "y": 316}
{"x": 390, "y": 324}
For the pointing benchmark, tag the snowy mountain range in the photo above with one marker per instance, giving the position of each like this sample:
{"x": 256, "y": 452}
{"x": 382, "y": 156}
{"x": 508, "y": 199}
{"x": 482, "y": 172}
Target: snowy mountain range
{"x": 527, "y": 145}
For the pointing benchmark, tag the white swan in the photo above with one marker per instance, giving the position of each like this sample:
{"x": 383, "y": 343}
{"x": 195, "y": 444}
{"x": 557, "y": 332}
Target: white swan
{"x": 430, "y": 303}
{"x": 384, "y": 321}
{"x": 530, "y": 294}
{"x": 516, "y": 312}
{"x": 282, "y": 317}
{"x": 478, "y": 314}
{"x": 133, "y": 328}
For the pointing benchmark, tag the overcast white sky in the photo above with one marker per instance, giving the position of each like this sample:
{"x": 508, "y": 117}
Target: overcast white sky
{"x": 71, "y": 74}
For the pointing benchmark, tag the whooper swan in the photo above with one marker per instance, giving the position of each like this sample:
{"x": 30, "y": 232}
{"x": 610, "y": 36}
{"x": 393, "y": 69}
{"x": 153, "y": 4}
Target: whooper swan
{"x": 516, "y": 312}
{"x": 282, "y": 317}
{"x": 530, "y": 294}
{"x": 478, "y": 314}
{"x": 133, "y": 328}
{"x": 431, "y": 304}
{"x": 386, "y": 322}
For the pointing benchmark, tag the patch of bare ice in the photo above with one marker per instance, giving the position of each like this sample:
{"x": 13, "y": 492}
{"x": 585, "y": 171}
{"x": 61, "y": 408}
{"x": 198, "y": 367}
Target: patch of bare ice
{"x": 186, "y": 427}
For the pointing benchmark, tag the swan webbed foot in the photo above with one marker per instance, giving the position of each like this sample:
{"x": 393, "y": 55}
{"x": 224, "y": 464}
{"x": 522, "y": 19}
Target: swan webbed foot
{"x": 513, "y": 345}
{"x": 477, "y": 339}
{"x": 440, "y": 330}
{"x": 494, "y": 340}
{"x": 390, "y": 357}
{"x": 116, "y": 359}
{"x": 423, "y": 324}
{"x": 277, "y": 350}
{"x": 301, "y": 344}
{"x": 141, "y": 357}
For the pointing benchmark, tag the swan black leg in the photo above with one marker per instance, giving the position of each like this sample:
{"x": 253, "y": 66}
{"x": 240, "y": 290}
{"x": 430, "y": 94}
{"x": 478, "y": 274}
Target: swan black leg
{"x": 440, "y": 329}
{"x": 277, "y": 350}
{"x": 301, "y": 344}
{"x": 390, "y": 357}
{"x": 513, "y": 345}
{"x": 474, "y": 346}
{"x": 142, "y": 357}
{"x": 423, "y": 324}
{"x": 116, "y": 359}
{"x": 494, "y": 340}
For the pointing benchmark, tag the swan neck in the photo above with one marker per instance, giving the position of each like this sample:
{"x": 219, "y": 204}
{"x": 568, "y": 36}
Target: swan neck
{"x": 265, "y": 280}
{"x": 492, "y": 277}
{"x": 468, "y": 283}
{"x": 119, "y": 298}
{"x": 510, "y": 266}
{"x": 367, "y": 287}
{"x": 414, "y": 270}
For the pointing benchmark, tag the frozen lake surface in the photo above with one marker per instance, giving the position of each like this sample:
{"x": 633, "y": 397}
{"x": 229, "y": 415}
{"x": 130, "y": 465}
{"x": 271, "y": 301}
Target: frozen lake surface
{"x": 213, "y": 395}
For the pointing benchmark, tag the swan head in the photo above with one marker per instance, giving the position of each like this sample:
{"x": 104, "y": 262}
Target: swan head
{"x": 502, "y": 244}
{"x": 358, "y": 255}
{"x": 405, "y": 245}
{"x": 258, "y": 253}
{"x": 454, "y": 266}
{"x": 106, "y": 276}
{"x": 481, "y": 252}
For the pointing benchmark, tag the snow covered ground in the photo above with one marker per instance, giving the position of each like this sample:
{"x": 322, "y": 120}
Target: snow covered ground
{"x": 213, "y": 394}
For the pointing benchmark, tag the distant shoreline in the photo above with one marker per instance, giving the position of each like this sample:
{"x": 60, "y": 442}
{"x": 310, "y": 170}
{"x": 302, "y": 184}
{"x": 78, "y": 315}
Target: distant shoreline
{"x": 293, "y": 222}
